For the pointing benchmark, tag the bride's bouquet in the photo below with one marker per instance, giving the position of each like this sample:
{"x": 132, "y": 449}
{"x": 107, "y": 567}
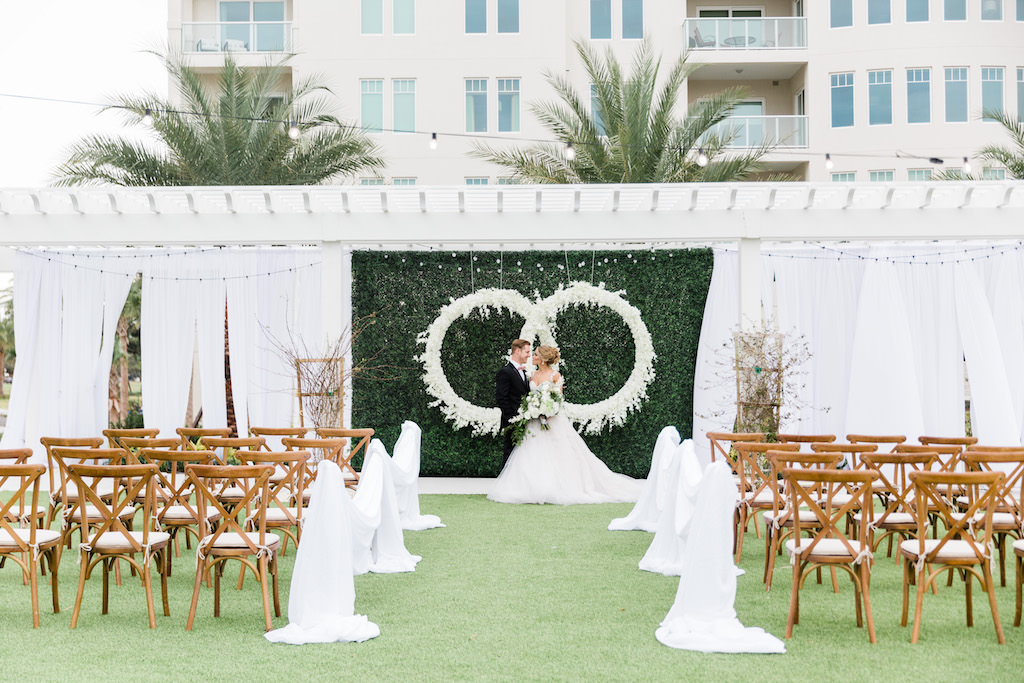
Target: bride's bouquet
{"x": 542, "y": 402}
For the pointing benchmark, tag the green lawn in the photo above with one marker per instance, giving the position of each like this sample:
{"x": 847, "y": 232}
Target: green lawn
{"x": 507, "y": 592}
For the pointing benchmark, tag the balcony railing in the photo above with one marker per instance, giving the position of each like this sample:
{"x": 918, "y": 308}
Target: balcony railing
{"x": 237, "y": 36}
{"x": 775, "y": 33}
{"x": 740, "y": 132}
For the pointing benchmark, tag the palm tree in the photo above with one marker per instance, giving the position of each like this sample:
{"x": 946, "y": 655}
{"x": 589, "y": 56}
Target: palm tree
{"x": 237, "y": 135}
{"x": 1012, "y": 159}
{"x": 632, "y": 134}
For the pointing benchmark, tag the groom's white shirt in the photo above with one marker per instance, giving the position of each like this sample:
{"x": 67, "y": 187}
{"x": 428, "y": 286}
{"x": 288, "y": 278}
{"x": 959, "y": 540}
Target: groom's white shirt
{"x": 520, "y": 370}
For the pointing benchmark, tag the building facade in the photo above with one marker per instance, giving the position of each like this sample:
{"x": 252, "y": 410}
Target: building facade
{"x": 848, "y": 90}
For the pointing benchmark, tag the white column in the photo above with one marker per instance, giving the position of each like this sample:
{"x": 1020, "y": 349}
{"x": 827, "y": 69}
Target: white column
{"x": 750, "y": 282}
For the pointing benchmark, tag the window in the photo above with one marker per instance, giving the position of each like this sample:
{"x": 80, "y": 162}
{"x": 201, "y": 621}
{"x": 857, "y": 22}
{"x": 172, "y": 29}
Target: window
{"x": 595, "y": 111}
{"x": 1020, "y": 94}
{"x": 508, "y": 16}
{"x": 372, "y": 17}
{"x": 371, "y": 104}
{"x": 632, "y": 18}
{"x": 268, "y": 26}
{"x": 993, "y": 174}
{"x": 476, "y": 105}
{"x": 476, "y": 16}
{"x": 476, "y": 181}
{"x": 991, "y": 92}
{"x": 879, "y": 97}
{"x": 956, "y": 94}
{"x": 404, "y": 16}
{"x": 747, "y": 124}
{"x": 881, "y": 176}
{"x": 917, "y": 10}
{"x": 919, "y": 96}
{"x": 600, "y": 19}
{"x": 403, "y": 181}
{"x": 919, "y": 175}
{"x": 1020, "y": 10}
{"x": 955, "y": 10}
{"x": 371, "y": 181}
{"x": 879, "y": 12}
{"x": 845, "y": 177}
{"x": 991, "y": 10}
{"x": 508, "y": 105}
{"x": 404, "y": 103}
{"x": 840, "y": 13}
{"x": 842, "y": 100}
{"x": 508, "y": 180}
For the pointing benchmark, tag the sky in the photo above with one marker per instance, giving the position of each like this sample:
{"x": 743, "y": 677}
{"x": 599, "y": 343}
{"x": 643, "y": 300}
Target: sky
{"x": 80, "y": 50}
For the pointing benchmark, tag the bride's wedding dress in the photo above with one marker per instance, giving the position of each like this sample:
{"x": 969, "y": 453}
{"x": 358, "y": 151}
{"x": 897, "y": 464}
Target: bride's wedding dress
{"x": 554, "y": 465}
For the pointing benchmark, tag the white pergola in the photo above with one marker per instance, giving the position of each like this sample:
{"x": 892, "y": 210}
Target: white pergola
{"x": 338, "y": 218}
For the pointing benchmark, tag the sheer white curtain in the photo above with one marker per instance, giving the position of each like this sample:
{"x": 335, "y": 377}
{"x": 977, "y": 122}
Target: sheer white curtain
{"x": 1003, "y": 274}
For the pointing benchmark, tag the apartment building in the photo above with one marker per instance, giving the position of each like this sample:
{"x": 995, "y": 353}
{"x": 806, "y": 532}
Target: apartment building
{"x": 848, "y": 90}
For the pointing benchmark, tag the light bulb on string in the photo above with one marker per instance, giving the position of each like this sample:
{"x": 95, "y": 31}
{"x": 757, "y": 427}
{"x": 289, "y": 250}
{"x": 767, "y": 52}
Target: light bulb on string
{"x": 829, "y": 164}
{"x": 293, "y": 130}
{"x": 570, "y": 153}
{"x": 433, "y": 141}
{"x": 702, "y": 158}
{"x": 967, "y": 167}
{"x": 147, "y": 117}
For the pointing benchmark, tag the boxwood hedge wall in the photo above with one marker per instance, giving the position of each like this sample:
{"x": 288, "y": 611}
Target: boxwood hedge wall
{"x": 408, "y": 289}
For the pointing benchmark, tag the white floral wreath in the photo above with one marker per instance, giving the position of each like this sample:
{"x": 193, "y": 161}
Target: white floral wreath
{"x": 540, "y": 320}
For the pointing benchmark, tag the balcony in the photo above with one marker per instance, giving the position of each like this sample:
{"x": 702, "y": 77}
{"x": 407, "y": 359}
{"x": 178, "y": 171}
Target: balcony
{"x": 236, "y": 36}
{"x": 760, "y": 33}
{"x": 781, "y": 132}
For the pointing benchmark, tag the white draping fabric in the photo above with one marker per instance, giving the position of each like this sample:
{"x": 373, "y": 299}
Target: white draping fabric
{"x": 677, "y": 493}
{"x": 703, "y": 616}
{"x": 405, "y": 471}
{"x": 321, "y": 600}
{"x": 644, "y": 515}
{"x": 377, "y": 542}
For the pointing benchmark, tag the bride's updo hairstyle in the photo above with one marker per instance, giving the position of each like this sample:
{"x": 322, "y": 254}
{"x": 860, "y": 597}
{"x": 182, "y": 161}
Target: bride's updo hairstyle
{"x": 548, "y": 354}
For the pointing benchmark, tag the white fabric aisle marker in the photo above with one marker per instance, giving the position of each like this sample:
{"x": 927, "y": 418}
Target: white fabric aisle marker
{"x": 405, "y": 470}
{"x": 321, "y": 599}
{"x": 644, "y": 515}
{"x": 703, "y": 617}
{"x": 677, "y": 492}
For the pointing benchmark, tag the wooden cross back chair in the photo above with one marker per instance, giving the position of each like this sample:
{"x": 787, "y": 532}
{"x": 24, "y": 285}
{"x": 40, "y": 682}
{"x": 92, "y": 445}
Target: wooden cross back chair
{"x": 27, "y": 544}
{"x": 805, "y": 438}
{"x": 110, "y": 537}
{"x": 964, "y": 546}
{"x": 228, "y": 540}
{"x": 273, "y": 435}
{"x": 880, "y": 440}
{"x": 755, "y": 484}
{"x": 828, "y": 545}
{"x": 191, "y": 436}
{"x": 853, "y": 454}
{"x": 722, "y": 444}
{"x": 898, "y": 517}
{"x": 226, "y": 447}
{"x": 21, "y": 514}
{"x": 284, "y": 512}
{"x": 962, "y": 441}
{"x": 57, "y": 500}
{"x": 778, "y": 523}
{"x": 319, "y": 449}
{"x": 114, "y": 436}
{"x": 176, "y": 508}
{"x": 345, "y": 456}
{"x": 1007, "y": 517}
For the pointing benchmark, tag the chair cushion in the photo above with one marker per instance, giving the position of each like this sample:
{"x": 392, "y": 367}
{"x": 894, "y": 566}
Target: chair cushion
{"x": 44, "y": 537}
{"x": 276, "y": 514}
{"x": 895, "y": 519}
{"x": 180, "y": 513}
{"x": 94, "y": 514}
{"x": 228, "y": 541}
{"x": 114, "y": 541}
{"x": 952, "y": 550}
{"x": 831, "y": 547}
{"x": 104, "y": 489}
{"x": 762, "y": 497}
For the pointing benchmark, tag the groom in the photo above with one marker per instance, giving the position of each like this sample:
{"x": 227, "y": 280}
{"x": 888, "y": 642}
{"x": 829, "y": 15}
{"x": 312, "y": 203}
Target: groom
{"x": 511, "y": 385}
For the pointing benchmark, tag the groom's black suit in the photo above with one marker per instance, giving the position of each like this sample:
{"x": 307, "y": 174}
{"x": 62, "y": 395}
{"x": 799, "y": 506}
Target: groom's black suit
{"x": 510, "y": 387}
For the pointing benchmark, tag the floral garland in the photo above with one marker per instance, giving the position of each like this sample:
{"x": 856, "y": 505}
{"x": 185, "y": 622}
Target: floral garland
{"x": 540, "y": 320}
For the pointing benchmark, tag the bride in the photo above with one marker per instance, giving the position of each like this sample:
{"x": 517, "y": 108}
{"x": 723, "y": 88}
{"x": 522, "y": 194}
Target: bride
{"x": 554, "y": 465}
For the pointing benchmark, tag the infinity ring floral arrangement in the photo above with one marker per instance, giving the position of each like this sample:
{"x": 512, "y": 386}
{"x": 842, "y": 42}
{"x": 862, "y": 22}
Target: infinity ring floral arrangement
{"x": 540, "y": 317}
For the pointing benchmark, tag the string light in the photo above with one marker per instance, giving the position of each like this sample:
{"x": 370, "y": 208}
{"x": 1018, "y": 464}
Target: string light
{"x": 293, "y": 130}
{"x": 570, "y": 153}
{"x": 829, "y": 164}
{"x": 433, "y": 141}
{"x": 147, "y": 117}
{"x": 702, "y": 158}
{"x": 967, "y": 166}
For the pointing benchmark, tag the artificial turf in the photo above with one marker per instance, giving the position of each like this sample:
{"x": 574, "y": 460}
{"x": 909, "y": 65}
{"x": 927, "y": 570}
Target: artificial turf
{"x": 505, "y": 592}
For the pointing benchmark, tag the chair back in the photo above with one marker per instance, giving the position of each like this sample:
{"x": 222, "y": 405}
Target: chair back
{"x": 781, "y": 460}
{"x": 881, "y": 440}
{"x": 973, "y": 526}
{"x": 962, "y": 441}
{"x": 224, "y": 448}
{"x": 65, "y": 457}
{"x": 948, "y": 454}
{"x": 1011, "y": 464}
{"x": 249, "y": 507}
{"x": 128, "y": 483}
{"x": 832, "y": 496}
{"x": 15, "y": 456}
{"x": 852, "y": 452}
{"x": 805, "y": 438}
{"x": 191, "y": 436}
{"x": 173, "y": 487}
{"x": 114, "y": 436}
{"x": 319, "y": 449}
{"x": 287, "y": 487}
{"x": 24, "y": 480}
{"x": 753, "y": 468}
{"x": 273, "y": 435}
{"x": 53, "y": 470}
{"x": 894, "y": 470}
{"x": 345, "y": 457}
{"x": 133, "y": 444}
{"x": 722, "y": 443}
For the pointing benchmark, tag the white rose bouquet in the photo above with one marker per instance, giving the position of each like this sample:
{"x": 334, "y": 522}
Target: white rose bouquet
{"x": 542, "y": 402}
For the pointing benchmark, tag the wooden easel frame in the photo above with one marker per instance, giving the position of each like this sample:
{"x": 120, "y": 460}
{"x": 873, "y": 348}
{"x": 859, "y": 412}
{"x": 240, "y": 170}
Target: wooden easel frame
{"x": 300, "y": 394}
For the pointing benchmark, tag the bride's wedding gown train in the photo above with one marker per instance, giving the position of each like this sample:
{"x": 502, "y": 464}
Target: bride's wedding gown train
{"x": 555, "y": 466}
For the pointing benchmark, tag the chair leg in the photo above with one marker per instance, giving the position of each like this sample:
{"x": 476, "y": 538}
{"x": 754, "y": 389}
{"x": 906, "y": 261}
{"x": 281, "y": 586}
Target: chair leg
{"x": 216, "y": 589}
{"x": 794, "y": 600}
{"x": 34, "y": 586}
{"x": 200, "y": 570}
{"x": 81, "y": 587}
{"x": 1001, "y": 545}
{"x": 106, "y": 582}
{"x": 989, "y": 588}
{"x": 273, "y": 576}
{"x": 147, "y": 583}
{"x": 865, "y": 585}
{"x": 53, "y": 580}
{"x": 919, "y": 604}
{"x": 1019, "y": 563}
{"x": 165, "y": 571}
{"x": 263, "y": 571}
{"x": 906, "y": 591}
{"x": 968, "y": 582}
{"x": 741, "y": 530}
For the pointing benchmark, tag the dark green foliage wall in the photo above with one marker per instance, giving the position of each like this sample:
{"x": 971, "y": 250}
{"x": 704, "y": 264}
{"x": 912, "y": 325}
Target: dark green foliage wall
{"x": 409, "y": 288}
